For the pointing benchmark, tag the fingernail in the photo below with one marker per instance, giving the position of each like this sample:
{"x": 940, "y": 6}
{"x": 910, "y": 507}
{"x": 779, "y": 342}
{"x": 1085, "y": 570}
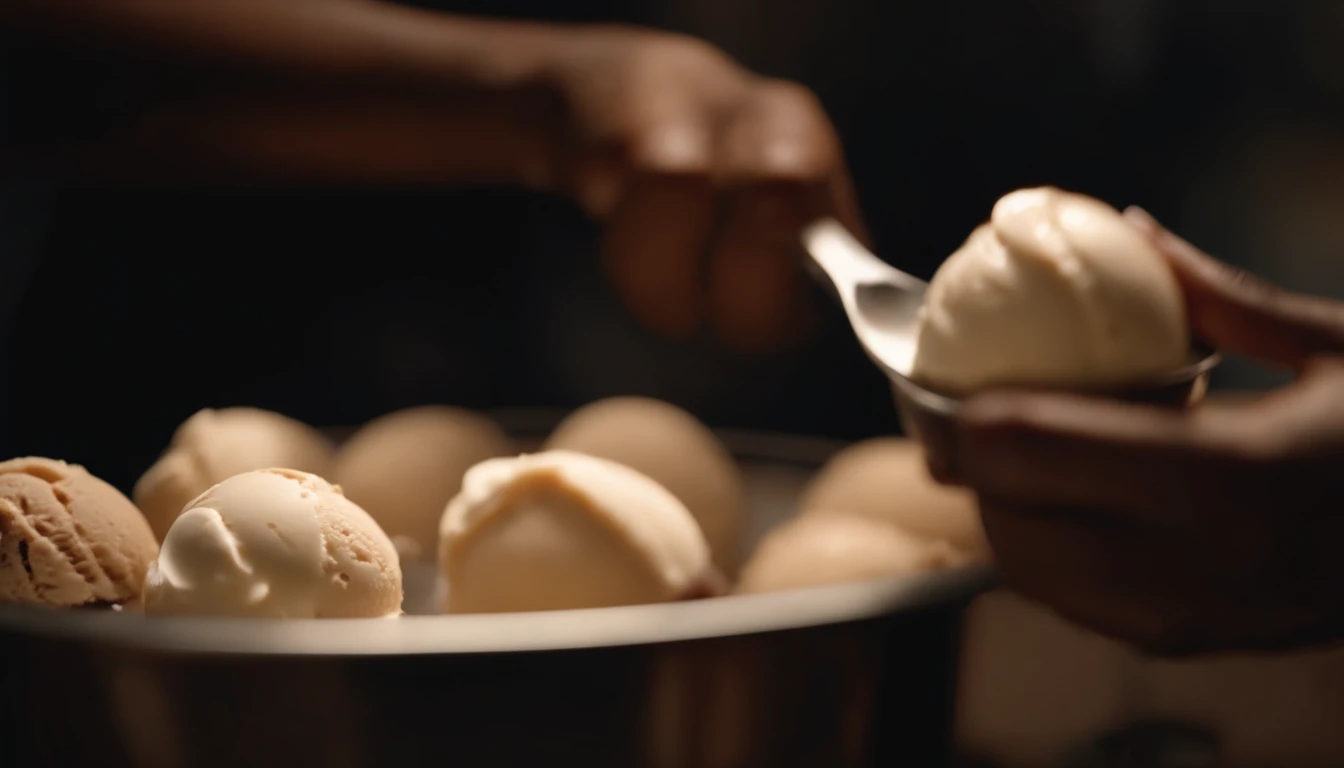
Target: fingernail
{"x": 1142, "y": 219}
{"x": 1175, "y": 246}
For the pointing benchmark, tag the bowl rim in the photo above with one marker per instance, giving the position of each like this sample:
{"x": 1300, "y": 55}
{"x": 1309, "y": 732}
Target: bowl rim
{"x": 539, "y": 631}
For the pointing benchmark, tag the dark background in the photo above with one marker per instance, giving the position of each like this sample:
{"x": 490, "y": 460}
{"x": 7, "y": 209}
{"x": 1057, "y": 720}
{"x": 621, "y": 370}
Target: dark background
{"x": 122, "y": 310}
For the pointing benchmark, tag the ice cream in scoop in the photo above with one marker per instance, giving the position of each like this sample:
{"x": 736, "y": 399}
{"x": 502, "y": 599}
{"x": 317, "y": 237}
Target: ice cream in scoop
{"x": 1058, "y": 289}
{"x": 558, "y": 530}
{"x": 275, "y": 543}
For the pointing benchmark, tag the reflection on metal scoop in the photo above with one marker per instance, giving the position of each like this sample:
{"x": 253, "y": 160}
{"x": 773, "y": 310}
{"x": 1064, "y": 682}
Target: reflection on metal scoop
{"x": 881, "y": 301}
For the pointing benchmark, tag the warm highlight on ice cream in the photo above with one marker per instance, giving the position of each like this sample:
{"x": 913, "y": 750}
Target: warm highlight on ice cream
{"x": 67, "y": 538}
{"x": 833, "y": 549}
{"x": 560, "y": 530}
{"x": 275, "y": 543}
{"x": 886, "y": 478}
{"x": 674, "y": 448}
{"x": 404, "y": 468}
{"x": 1057, "y": 289}
{"x": 216, "y": 444}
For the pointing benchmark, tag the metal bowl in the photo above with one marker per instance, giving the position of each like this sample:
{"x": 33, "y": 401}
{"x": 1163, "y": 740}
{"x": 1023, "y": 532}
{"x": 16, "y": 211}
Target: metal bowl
{"x": 931, "y": 417}
{"x": 849, "y": 675}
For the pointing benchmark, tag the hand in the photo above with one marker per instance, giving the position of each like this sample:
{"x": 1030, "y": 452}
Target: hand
{"x": 703, "y": 174}
{"x": 1214, "y": 529}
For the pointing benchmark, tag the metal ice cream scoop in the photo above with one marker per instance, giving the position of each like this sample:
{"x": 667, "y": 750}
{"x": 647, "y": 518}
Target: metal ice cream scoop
{"x": 882, "y": 302}
{"x": 883, "y": 305}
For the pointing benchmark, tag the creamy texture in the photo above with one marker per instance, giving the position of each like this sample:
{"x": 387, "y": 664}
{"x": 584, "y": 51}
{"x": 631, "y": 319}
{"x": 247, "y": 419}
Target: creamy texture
{"x": 832, "y": 549}
{"x": 558, "y": 530}
{"x": 676, "y": 450}
{"x": 1057, "y": 289}
{"x": 216, "y": 444}
{"x": 885, "y": 478}
{"x": 67, "y": 538}
{"x": 404, "y": 468}
{"x": 275, "y": 543}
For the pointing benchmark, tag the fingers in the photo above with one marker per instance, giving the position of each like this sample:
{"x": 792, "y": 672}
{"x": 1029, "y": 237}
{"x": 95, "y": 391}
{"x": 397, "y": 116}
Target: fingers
{"x": 779, "y": 163}
{"x": 1111, "y": 577}
{"x": 658, "y": 234}
{"x": 1142, "y": 463}
{"x": 705, "y": 214}
{"x": 1239, "y": 312}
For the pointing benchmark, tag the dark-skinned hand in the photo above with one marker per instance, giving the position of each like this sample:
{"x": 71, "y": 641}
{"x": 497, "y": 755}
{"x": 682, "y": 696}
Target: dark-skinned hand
{"x": 703, "y": 174}
{"x": 1217, "y": 528}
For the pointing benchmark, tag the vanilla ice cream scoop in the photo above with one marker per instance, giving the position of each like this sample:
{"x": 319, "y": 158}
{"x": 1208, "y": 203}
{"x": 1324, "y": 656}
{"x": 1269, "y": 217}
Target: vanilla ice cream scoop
{"x": 216, "y": 444}
{"x": 558, "y": 530}
{"x": 813, "y": 551}
{"x": 674, "y": 448}
{"x": 67, "y": 538}
{"x": 406, "y": 466}
{"x": 885, "y": 478}
{"x": 275, "y": 543}
{"x": 1057, "y": 289}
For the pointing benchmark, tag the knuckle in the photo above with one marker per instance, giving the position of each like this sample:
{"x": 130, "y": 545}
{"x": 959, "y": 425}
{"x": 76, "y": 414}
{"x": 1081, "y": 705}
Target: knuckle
{"x": 668, "y": 149}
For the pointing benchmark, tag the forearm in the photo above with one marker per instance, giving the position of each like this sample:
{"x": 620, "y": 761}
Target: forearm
{"x": 333, "y": 138}
{"x": 332, "y": 88}
{"x": 336, "y": 41}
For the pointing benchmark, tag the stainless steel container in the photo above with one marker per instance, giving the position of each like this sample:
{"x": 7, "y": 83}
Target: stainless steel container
{"x": 850, "y": 675}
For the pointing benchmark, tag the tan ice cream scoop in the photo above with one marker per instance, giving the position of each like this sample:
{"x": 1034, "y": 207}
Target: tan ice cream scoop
{"x": 560, "y": 530}
{"x": 405, "y": 467}
{"x": 275, "y": 543}
{"x": 216, "y": 444}
{"x": 885, "y": 478}
{"x": 832, "y": 549}
{"x": 674, "y": 448}
{"x": 67, "y": 538}
{"x": 1057, "y": 289}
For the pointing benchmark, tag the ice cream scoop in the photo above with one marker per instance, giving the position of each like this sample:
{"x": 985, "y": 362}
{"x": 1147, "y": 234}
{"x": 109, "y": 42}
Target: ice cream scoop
{"x": 275, "y": 543}
{"x": 674, "y": 448}
{"x": 215, "y": 444}
{"x": 885, "y": 478}
{"x": 812, "y": 551}
{"x": 559, "y": 529}
{"x": 404, "y": 468}
{"x": 1058, "y": 289}
{"x": 67, "y": 538}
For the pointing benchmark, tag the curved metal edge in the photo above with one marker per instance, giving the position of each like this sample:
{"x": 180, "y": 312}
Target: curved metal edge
{"x": 508, "y": 633}
{"x": 1202, "y": 361}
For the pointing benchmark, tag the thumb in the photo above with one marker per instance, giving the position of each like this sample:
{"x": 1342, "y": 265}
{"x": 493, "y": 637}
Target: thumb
{"x": 1240, "y": 312}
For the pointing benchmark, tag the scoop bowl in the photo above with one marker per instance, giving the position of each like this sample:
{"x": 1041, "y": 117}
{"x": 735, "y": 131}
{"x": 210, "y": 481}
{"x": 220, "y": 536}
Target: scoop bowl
{"x": 931, "y": 417}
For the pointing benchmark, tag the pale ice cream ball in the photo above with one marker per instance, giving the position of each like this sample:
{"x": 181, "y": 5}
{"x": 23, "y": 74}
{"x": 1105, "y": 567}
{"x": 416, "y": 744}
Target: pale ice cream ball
{"x": 1058, "y": 289}
{"x": 674, "y": 448}
{"x": 885, "y": 478}
{"x": 833, "y": 549}
{"x": 404, "y": 468}
{"x": 214, "y": 445}
{"x": 67, "y": 538}
{"x": 559, "y": 530}
{"x": 275, "y": 543}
